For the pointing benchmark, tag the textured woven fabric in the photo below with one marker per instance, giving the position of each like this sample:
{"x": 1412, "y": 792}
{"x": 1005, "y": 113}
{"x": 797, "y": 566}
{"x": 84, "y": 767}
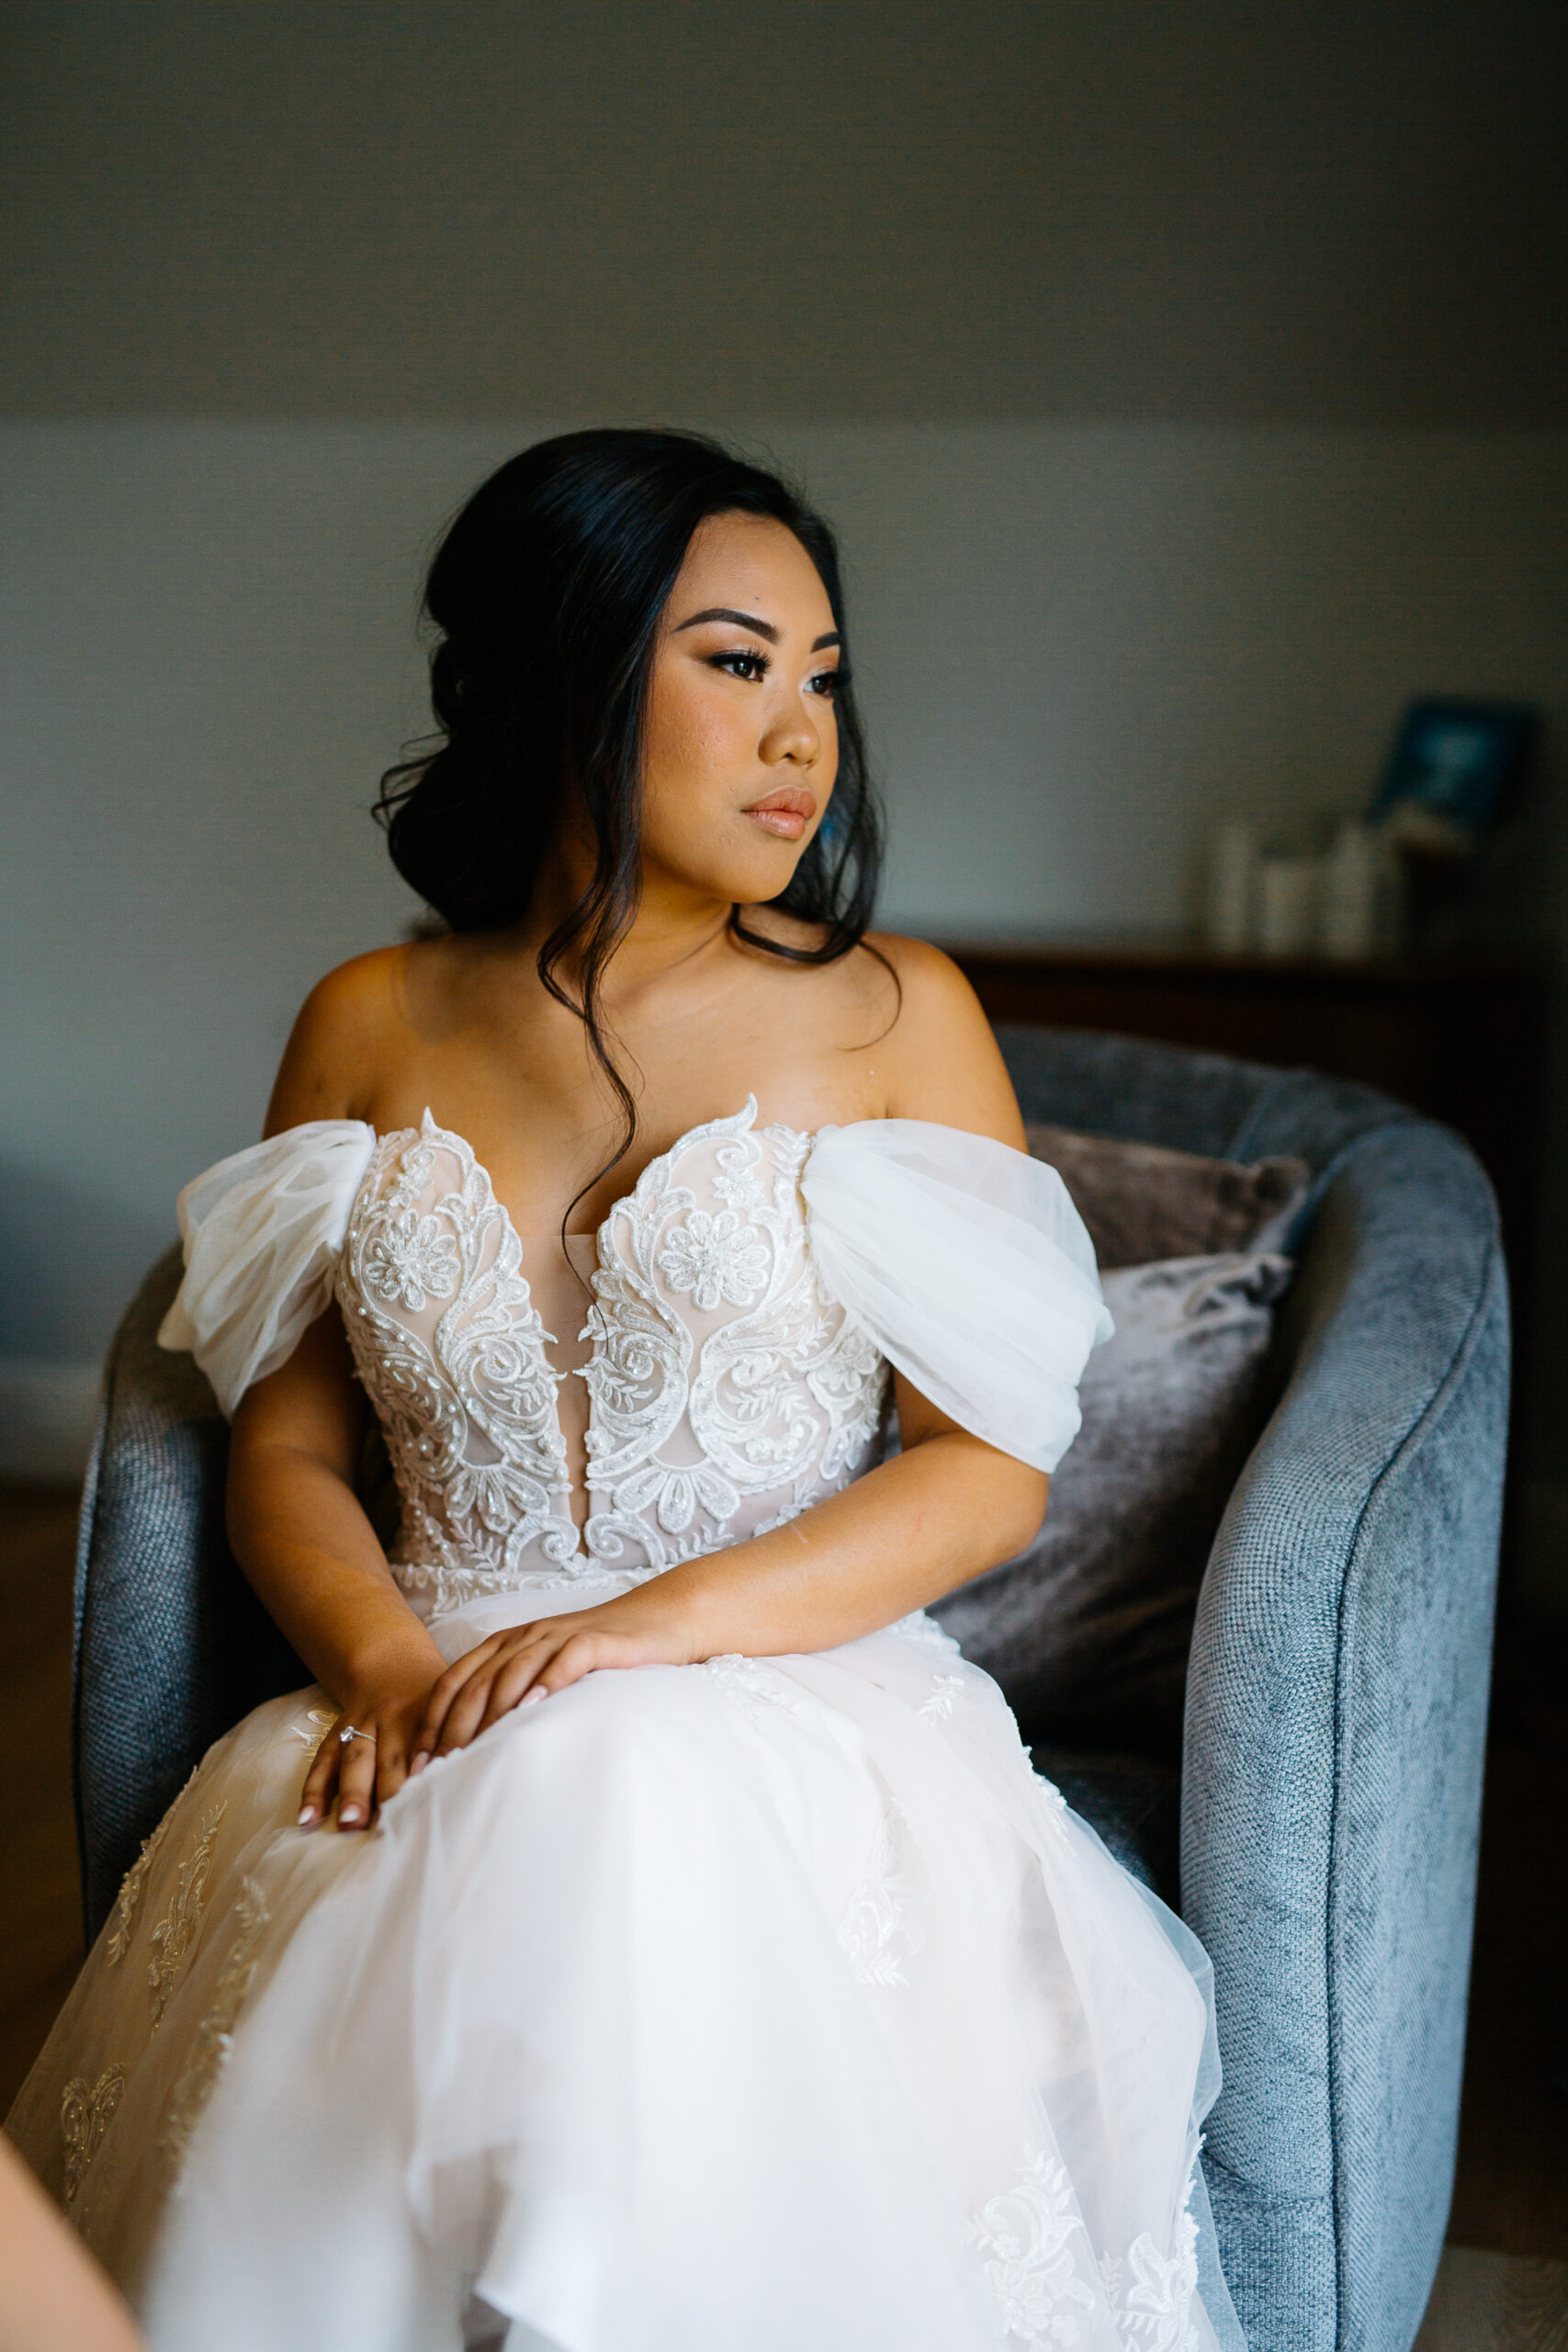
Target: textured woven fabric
{"x": 171, "y": 1646}
{"x": 1337, "y": 1692}
{"x": 1335, "y": 1697}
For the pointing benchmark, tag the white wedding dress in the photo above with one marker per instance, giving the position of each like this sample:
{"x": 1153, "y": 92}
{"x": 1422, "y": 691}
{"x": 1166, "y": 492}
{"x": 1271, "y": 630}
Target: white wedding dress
{"x": 767, "y": 2005}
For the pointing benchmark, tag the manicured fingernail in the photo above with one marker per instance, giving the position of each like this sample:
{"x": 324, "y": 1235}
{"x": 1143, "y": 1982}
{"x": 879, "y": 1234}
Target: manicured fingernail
{"x": 307, "y": 1814}
{"x": 420, "y": 1761}
{"x": 538, "y": 1691}
{"x": 350, "y": 1812}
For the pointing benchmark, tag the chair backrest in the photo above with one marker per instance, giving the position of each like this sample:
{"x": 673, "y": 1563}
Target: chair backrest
{"x": 172, "y": 1648}
{"x": 1336, "y": 1703}
{"x": 1192, "y": 1102}
{"x": 1337, "y": 1687}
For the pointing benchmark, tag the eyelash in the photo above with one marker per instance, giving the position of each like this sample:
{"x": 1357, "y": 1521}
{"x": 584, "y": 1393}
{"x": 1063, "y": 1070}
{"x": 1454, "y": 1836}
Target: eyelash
{"x": 832, "y": 682}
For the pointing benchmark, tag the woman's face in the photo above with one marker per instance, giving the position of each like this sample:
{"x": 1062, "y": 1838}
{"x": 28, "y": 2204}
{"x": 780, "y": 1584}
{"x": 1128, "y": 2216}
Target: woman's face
{"x": 741, "y": 740}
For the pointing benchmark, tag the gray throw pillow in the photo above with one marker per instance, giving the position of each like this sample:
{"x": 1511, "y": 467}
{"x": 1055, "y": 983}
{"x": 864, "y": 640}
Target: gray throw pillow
{"x": 1088, "y": 1631}
{"x": 1143, "y": 1201}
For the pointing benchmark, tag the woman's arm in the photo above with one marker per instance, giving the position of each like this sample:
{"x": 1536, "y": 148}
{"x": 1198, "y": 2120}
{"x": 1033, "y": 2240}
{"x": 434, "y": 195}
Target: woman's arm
{"x": 945, "y": 1509}
{"x": 296, "y": 1526}
{"x": 300, "y": 1534}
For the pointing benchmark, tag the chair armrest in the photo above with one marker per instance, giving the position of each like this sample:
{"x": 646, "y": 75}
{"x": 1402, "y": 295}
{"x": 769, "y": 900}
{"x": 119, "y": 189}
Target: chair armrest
{"x": 171, "y": 1646}
{"x": 1335, "y": 1724}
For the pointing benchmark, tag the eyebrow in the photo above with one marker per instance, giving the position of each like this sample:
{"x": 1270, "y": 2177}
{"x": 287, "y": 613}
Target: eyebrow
{"x": 750, "y": 620}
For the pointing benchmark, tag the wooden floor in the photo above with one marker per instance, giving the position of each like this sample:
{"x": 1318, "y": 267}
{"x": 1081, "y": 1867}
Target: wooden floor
{"x": 1511, "y": 2195}
{"x": 1496, "y": 2302}
{"x": 41, "y": 1945}
{"x": 1511, "y": 2198}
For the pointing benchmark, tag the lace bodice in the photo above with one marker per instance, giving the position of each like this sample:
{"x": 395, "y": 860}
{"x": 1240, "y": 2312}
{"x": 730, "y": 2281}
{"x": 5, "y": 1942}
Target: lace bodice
{"x": 744, "y": 1304}
{"x": 726, "y": 1391}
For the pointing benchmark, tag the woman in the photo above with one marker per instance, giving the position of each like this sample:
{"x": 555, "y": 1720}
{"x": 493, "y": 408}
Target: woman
{"x": 716, "y": 1973}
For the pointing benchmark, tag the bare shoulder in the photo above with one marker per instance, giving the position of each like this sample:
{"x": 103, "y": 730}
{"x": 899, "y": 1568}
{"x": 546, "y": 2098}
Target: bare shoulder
{"x": 339, "y": 1039}
{"x": 942, "y": 1061}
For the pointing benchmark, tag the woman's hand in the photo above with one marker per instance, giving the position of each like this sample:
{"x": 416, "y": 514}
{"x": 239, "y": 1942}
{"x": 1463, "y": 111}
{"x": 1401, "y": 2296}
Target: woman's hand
{"x": 360, "y": 1773}
{"x": 528, "y": 1662}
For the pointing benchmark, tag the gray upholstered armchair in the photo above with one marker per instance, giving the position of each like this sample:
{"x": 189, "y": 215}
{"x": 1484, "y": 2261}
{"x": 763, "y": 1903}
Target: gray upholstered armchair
{"x": 1336, "y": 1696}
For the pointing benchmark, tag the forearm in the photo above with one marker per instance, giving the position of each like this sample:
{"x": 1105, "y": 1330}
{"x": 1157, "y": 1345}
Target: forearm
{"x": 940, "y": 1512}
{"x": 302, "y": 1538}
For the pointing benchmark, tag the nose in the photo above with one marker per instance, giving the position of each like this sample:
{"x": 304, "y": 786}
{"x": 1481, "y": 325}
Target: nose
{"x": 791, "y": 738}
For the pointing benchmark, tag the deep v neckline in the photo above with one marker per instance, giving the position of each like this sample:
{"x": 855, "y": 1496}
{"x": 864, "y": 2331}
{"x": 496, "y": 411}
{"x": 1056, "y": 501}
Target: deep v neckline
{"x": 744, "y": 1122}
{"x": 728, "y": 1387}
{"x": 575, "y": 1485}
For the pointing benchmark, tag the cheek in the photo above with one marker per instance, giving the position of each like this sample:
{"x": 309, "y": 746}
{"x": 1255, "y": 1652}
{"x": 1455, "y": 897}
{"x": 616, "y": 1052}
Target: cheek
{"x": 698, "y": 741}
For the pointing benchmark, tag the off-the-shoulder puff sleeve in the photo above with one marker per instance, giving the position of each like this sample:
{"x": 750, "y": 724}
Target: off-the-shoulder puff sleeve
{"x": 262, "y": 1232}
{"x": 970, "y": 1268}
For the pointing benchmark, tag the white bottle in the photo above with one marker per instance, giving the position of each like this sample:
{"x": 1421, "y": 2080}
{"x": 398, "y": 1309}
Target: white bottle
{"x": 1289, "y": 889}
{"x": 1348, "y": 921}
{"x": 1231, "y": 912}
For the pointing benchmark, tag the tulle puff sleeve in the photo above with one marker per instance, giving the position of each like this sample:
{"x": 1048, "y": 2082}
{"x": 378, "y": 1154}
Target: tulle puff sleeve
{"x": 970, "y": 1268}
{"x": 262, "y": 1232}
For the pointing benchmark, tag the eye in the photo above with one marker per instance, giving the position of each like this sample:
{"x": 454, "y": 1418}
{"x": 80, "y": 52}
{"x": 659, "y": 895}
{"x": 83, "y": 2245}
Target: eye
{"x": 745, "y": 665}
{"x": 830, "y": 683}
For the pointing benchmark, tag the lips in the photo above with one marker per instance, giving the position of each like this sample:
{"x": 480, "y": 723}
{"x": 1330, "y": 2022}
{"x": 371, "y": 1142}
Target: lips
{"x": 785, "y": 813}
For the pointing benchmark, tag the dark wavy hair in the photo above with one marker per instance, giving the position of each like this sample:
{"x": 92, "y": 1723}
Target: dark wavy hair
{"x": 546, "y": 593}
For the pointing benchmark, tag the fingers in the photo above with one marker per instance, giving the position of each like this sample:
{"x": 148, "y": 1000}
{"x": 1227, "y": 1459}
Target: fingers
{"x": 511, "y": 1682}
{"x": 504, "y": 1672}
{"x": 549, "y": 1665}
{"x": 320, "y": 1781}
{"x": 359, "y": 1775}
{"x": 469, "y": 1709}
{"x": 579, "y": 1654}
{"x": 444, "y": 1691}
{"x": 355, "y": 1781}
{"x": 392, "y": 1757}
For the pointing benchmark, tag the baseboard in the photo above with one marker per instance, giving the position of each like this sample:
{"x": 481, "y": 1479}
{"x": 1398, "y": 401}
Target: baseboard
{"x": 47, "y": 1416}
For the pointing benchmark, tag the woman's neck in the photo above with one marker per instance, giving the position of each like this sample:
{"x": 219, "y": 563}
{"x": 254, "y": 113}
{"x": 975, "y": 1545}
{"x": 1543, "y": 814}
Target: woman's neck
{"x": 674, "y": 925}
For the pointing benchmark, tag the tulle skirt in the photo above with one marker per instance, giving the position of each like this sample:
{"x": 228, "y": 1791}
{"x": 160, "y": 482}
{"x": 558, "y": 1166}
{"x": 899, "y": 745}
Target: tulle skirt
{"x": 738, "y": 2007}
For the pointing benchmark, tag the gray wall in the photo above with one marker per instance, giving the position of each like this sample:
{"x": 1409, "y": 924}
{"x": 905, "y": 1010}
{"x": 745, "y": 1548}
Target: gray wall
{"x": 1076, "y": 643}
{"x": 1188, "y": 384}
{"x": 1330, "y": 211}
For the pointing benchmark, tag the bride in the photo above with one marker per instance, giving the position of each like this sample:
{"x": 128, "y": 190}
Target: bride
{"x": 694, "y": 1961}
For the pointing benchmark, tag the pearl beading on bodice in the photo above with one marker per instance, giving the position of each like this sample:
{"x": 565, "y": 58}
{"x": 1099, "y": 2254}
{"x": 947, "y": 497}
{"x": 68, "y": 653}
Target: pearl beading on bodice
{"x": 727, "y": 1392}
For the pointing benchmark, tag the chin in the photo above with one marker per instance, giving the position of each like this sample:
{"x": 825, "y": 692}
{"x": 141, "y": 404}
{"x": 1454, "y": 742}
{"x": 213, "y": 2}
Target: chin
{"x": 751, "y": 881}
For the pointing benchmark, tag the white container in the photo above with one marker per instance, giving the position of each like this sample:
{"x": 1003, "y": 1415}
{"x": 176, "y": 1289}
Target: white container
{"x": 1231, "y": 909}
{"x": 1290, "y": 891}
{"x": 1347, "y": 922}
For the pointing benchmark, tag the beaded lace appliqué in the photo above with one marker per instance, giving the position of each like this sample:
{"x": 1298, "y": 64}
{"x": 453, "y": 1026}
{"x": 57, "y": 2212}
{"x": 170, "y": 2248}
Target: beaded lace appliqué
{"x": 1153, "y": 2294}
{"x": 878, "y": 1919}
{"x": 946, "y": 1691}
{"x": 756, "y": 1687}
{"x": 772, "y": 1410}
{"x": 727, "y": 1393}
{"x": 171, "y": 1936}
{"x": 1030, "y": 2239}
{"x": 711, "y": 1258}
{"x": 1024, "y": 2239}
{"x": 928, "y": 1632}
{"x": 85, "y": 2113}
{"x": 467, "y": 1407}
{"x": 130, "y": 1894}
{"x": 320, "y": 1720}
{"x": 209, "y": 2051}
